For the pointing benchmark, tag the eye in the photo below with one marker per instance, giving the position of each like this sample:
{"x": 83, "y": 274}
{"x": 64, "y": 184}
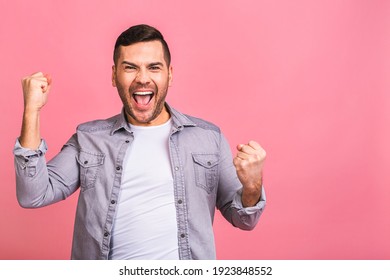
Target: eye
{"x": 155, "y": 67}
{"x": 129, "y": 67}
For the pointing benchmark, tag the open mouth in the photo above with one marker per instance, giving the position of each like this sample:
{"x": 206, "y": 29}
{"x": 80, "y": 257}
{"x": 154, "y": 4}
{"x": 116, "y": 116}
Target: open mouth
{"x": 143, "y": 97}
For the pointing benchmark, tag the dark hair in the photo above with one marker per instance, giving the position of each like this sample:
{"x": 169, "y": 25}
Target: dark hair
{"x": 141, "y": 33}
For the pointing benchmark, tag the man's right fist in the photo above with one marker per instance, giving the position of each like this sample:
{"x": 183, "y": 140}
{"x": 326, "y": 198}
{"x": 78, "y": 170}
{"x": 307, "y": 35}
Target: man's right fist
{"x": 35, "y": 90}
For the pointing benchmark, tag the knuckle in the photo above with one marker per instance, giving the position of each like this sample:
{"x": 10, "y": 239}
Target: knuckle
{"x": 262, "y": 153}
{"x": 244, "y": 163}
{"x": 258, "y": 157}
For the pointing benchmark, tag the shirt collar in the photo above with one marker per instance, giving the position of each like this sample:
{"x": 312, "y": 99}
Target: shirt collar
{"x": 179, "y": 120}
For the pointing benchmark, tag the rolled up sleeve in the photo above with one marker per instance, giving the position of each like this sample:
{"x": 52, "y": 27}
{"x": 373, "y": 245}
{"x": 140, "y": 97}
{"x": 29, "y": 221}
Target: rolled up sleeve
{"x": 39, "y": 183}
{"x": 247, "y": 217}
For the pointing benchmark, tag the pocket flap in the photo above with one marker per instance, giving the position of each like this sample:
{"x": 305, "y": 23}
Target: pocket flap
{"x": 206, "y": 160}
{"x": 89, "y": 159}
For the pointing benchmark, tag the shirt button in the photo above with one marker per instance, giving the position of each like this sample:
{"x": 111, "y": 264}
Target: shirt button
{"x": 106, "y": 234}
{"x": 86, "y": 162}
{"x": 118, "y": 168}
{"x": 127, "y": 141}
{"x": 176, "y": 168}
{"x": 113, "y": 201}
{"x": 180, "y": 201}
{"x": 182, "y": 235}
{"x": 209, "y": 163}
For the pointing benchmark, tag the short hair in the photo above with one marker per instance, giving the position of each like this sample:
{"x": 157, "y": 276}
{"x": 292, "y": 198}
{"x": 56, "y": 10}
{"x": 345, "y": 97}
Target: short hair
{"x": 141, "y": 33}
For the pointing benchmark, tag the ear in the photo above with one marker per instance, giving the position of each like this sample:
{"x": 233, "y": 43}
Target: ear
{"x": 170, "y": 77}
{"x": 113, "y": 76}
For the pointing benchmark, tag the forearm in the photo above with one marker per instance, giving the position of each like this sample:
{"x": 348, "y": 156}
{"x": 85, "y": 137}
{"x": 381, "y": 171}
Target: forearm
{"x": 35, "y": 91}
{"x": 251, "y": 195}
{"x": 30, "y": 136}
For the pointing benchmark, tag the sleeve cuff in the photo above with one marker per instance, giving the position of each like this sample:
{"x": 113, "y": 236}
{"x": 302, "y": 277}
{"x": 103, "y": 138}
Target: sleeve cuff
{"x": 28, "y": 153}
{"x": 259, "y": 207}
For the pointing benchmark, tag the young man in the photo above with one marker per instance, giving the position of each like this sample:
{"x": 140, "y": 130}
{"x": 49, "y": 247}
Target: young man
{"x": 150, "y": 177}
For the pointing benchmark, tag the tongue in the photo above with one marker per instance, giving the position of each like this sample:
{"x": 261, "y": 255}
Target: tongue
{"x": 142, "y": 99}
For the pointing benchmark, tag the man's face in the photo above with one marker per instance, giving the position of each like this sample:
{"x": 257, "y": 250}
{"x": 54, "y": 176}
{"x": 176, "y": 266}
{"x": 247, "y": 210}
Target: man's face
{"x": 142, "y": 78}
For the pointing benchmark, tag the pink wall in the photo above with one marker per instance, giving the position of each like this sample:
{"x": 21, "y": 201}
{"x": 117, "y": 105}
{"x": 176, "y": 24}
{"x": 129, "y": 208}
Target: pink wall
{"x": 307, "y": 79}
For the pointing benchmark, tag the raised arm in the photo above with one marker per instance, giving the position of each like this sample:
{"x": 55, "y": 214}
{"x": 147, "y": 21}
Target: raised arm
{"x": 39, "y": 183}
{"x": 35, "y": 92}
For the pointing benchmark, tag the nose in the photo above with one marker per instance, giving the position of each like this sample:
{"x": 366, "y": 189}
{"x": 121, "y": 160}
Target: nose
{"x": 142, "y": 77}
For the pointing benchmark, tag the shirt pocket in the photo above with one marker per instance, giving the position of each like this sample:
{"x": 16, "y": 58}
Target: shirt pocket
{"x": 206, "y": 170}
{"x": 90, "y": 165}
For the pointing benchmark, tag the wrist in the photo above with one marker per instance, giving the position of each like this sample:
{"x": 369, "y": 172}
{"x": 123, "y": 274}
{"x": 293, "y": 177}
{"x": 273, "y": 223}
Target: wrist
{"x": 250, "y": 197}
{"x": 31, "y": 112}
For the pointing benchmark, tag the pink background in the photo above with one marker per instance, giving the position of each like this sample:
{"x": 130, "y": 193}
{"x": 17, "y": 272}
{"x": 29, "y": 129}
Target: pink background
{"x": 307, "y": 79}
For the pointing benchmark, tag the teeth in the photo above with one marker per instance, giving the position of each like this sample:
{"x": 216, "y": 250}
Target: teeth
{"x": 143, "y": 92}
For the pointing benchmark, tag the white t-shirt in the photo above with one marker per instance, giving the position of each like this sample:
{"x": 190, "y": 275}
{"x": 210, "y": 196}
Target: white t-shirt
{"x": 145, "y": 225}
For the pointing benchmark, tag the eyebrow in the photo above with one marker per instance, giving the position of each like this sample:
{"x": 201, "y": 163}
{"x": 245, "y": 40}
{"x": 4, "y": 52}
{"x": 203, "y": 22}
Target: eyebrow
{"x": 128, "y": 63}
{"x": 150, "y": 64}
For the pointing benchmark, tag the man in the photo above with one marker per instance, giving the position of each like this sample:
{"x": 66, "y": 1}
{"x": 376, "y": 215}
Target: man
{"x": 150, "y": 177}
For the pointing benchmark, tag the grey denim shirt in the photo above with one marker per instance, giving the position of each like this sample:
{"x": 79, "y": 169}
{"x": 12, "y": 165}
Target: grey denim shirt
{"x": 204, "y": 179}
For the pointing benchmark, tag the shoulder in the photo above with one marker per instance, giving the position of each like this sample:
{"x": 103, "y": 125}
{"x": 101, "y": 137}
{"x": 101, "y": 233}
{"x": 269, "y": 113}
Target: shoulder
{"x": 203, "y": 124}
{"x": 185, "y": 120}
{"x": 98, "y": 125}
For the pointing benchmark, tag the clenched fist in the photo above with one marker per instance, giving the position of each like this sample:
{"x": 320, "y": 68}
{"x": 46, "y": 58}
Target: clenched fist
{"x": 35, "y": 90}
{"x": 249, "y": 163}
